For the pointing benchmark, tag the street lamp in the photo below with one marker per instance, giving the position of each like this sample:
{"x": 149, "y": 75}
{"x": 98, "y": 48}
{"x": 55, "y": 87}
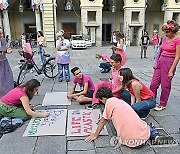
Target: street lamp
{"x": 21, "y": 7}
{"x": 68, "y": 6}
{"x": 113, "y": 7}
{"x": 163, "y": 7}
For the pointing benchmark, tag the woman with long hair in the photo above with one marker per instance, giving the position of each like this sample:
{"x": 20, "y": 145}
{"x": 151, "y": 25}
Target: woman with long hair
{"x": 119, "y": 49}
{"x": 15, "y": 103}
{"x": 166, "y": 65}
{"x": 142, "y": 98}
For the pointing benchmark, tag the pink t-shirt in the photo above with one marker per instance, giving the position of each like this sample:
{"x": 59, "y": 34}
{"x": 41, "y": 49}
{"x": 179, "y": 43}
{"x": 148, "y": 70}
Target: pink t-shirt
{"x": 106, "y": 58}
{"x": 116, "y": 82}
{"x": 169, "y": 48}
{"x": 13, "y": 97}
{"x": 131, "y": 130}
{"x": 155, "y": 39}
{"x": 85, "y": 78}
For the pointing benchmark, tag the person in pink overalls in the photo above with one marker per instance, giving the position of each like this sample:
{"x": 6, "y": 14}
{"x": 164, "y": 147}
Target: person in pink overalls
{"x": 169, "y": 58}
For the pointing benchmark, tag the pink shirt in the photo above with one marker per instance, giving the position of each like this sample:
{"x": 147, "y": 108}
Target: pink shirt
{"x": 106, "y": 58}
{"x": 155, "y": 39}
{"x": 13, "y": 97}
{"x": 116, "y": 82}
{"x": 131, "y": 130}
{"x": 169, "y": 48}
{"x": 81, "y": 82}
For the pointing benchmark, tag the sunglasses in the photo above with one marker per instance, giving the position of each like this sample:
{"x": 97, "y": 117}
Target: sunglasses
{"x": 166, "y": 31}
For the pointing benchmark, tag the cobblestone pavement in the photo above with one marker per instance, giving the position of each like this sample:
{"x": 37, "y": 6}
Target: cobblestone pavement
{"x": 169, "y": 119}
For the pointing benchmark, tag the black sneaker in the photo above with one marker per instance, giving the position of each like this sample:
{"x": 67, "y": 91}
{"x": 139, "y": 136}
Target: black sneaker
{"x": 108, "y": 70}
{"x": 93, "y": 106}
{"x": 145, "y": 116}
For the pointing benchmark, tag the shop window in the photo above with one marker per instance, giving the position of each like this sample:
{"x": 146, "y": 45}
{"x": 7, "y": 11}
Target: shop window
{"x": 175, "y": 16}
{"x": 135, "y": 17}
{"x": 28, "y": 4}
{"x": 91, "y": 16}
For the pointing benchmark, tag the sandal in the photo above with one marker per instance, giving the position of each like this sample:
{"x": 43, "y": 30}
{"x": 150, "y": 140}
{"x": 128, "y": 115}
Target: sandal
{"x": 159, "y": 108}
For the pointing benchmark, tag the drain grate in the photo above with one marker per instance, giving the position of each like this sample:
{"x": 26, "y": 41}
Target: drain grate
{"x": 163, "y": 142}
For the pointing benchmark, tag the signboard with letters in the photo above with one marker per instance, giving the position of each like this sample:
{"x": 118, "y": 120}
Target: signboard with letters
{"x": 82, "y": 122}
{"x": 54, "y": 124}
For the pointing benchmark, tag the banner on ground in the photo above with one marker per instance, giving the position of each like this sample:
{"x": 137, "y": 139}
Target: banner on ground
{"x": 54, "y": 124}
{"x": 82, "y": 122}
{"x": 56, "y": 98}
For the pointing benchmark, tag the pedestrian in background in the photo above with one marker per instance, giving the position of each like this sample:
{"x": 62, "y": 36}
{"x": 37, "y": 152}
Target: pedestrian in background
{"x": 6, "y": 75}
{"x": 113, "y": 41}
{"x": 167, "y": 62}
{"x": 63, "y": 56}
{"x": 144, "y": 44}
{"x": 156, "y": 39}
{"x": 41, "y": 42}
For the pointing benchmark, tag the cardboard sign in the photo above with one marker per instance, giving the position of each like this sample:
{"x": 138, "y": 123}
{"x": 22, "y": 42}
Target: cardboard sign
{"x": 56, "y": 98}
{"x": 82, "y": 122}
{"x": 54, "y": 124}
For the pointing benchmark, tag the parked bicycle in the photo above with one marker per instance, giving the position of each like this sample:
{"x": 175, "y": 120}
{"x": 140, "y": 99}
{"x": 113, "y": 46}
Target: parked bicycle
{"x": 49, "y": 68}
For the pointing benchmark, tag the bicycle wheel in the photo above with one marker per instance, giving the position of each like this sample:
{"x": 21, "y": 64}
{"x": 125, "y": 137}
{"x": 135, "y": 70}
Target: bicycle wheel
{"x": 23, "y": 72}
{"x": 51, "y": 68}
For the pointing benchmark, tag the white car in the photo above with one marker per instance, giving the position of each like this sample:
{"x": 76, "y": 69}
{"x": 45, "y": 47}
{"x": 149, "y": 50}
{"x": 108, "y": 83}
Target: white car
{"x": 77, "y": 41}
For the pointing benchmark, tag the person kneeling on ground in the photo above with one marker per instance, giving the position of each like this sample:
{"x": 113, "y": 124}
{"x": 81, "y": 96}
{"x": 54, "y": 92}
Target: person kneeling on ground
{"x": 105, "y": 66}
{"x": 131, "y": 130}
{"x": 142, "y": 98}
{"x": 15, "y": 103}
{"x": 87, "y": 85}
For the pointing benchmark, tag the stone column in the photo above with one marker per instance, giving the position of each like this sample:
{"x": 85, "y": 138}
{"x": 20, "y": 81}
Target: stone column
{"x": 1, "y": 24}
{"x": 168, "y": 15}
{"x": 6, "y": 24}
{"x": 38, "y": 20}
{"x": 84, "y": 20}
{"x": 99, "y": 29}
{"x": 127, "y": 21}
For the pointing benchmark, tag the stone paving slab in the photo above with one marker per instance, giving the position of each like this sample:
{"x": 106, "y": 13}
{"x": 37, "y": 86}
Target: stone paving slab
{"x": 82, "y": 152}
{"x": 50, "y": 145}
{"x": 79, "y": 145}
{"x": 109, "y": 150}
{"x": 169, "y": 150}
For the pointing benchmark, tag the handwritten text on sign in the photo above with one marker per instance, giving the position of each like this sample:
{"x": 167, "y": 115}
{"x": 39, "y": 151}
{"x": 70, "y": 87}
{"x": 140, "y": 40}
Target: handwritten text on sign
{"x": 54, "y": 124}
{"x": 82, "y": 122}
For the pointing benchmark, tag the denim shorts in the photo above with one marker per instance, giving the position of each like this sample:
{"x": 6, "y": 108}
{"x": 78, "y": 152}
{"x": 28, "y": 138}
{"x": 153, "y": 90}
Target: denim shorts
{"x": 89, "y": 93}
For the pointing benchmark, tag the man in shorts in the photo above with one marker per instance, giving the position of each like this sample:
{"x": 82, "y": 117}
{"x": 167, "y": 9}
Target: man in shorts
{"x": 86, "y": 87}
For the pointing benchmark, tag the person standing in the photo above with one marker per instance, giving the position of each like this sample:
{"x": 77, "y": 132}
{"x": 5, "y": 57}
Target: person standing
{"x": 6, "y": 75}
{"x": 41, "y": 42}
{"x": 63, "y": 56}
{"x": 113, "y": 41}
{"x": 144, "y": 44}
{"x": 166, "y": 65}
{"x": 156, "y": 39}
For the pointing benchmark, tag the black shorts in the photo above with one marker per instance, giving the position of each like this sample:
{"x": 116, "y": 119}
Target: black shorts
{"x": 89, "y": 93}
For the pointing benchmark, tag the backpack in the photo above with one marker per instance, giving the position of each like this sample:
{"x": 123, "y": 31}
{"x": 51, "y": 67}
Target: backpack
{"x": 8, "y": 125}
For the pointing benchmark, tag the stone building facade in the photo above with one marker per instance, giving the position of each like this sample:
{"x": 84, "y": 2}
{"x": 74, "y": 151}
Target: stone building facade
{"x": 94, "y": 19}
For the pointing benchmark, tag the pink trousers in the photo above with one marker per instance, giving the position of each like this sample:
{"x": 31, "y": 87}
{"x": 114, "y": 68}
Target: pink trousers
{"x": 160, "y": 77}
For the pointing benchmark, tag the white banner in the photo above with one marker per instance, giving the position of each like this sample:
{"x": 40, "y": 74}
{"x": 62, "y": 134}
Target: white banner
{"x": 56, "y": 98}
{"x": 82, "y": 122}
{"x": 54, "y": 124}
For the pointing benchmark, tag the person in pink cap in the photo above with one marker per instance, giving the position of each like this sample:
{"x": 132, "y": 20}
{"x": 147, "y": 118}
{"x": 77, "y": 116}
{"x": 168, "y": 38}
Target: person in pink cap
{"x": 167, "y": 62}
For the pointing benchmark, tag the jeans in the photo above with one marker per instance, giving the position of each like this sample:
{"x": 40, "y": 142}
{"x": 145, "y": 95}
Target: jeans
{"x": 125, "y": 96}
{"x": 143, "y": 48}
{"x": 105, "y": 65}
{"x": 66, "y": 71}
{"x": 156, "y": 47}
{"x": 142, "y": 108}
{"x": 42, "y": 52}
